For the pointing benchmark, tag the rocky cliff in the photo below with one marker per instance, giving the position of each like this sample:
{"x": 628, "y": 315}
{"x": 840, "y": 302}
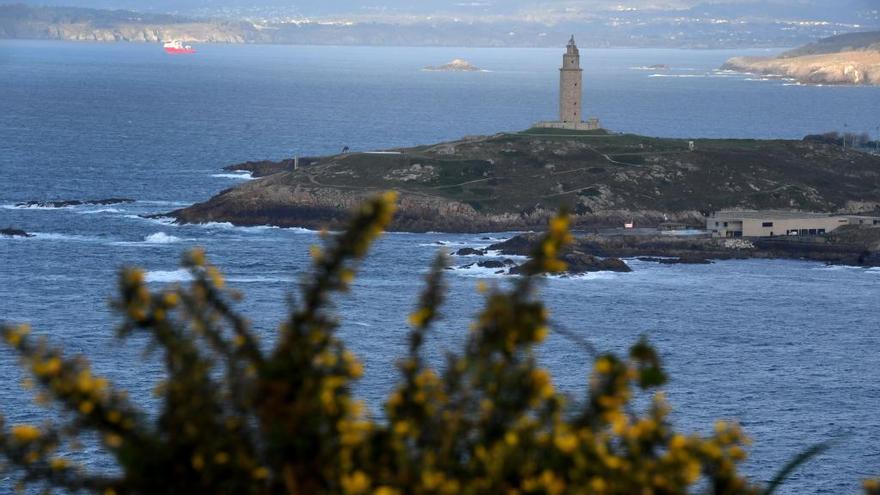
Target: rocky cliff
{"x": 848, "y": 59}
{"x": 516, "y": 181}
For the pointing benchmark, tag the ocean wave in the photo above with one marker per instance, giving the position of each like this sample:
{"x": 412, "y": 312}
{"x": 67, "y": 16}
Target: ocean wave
{"x": 102, "y": 210}
{"x": 607, "y": 275}
{"x": 679, "y": 76}
{"x": 847, "y": 268}
{"x": 243, "y": 175}
{"x": 161, "y": 238}
{"x": 165, "y": 203}
{"x": 168, "y": 276}
{"x": 252, "y": 228}
{"x": 261, "y": 279}
{"x": 169, "y": 221}
{"x": 474, "y": 271}
{"x": 53, "y": 236}
{"x": 34, "y": 207}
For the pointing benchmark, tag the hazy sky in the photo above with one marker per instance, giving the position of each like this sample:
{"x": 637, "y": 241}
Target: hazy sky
{"x": 787, "y": 8}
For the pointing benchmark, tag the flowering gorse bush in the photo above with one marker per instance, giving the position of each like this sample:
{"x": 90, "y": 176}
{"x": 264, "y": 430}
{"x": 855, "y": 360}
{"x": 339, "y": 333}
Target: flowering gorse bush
{"x": 238, "y": 419}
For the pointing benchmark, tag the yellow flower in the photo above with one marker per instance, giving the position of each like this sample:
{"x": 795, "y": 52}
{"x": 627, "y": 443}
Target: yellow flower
{"x": 216, "y": 277}
{"x": 356, "y": 483}
{"x": 86, "y": 407}
{"x": 565, "y": 441}
{"x": 49, "y": 367}
{"x": 58, "y": 464}
{"x": 197, "y": 256}
{"x": 198, "y": 462}
{"x": 15, "y": 335}
{"x": 26, "y": 433}
{"x": 171, "y": 299}
{"x": 419, "y": 317}
{"x": 113, "y": 440}
{"x": 386, "y": 490}
{"x": 221, "y": 458}
{"x": 134, "y": 276}
{"x": 260, "y": 473}
{"x": 541, "y": 334}
{"x": 604, "y": 366}
{"x": 510, "y": 438}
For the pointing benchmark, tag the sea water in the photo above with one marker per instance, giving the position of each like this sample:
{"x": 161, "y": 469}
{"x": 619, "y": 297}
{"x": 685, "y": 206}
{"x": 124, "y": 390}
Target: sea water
{"x": 787, "y": 348}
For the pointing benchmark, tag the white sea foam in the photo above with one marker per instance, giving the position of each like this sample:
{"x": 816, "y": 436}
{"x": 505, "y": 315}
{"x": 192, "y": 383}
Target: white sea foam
{"x": 52, "y": 236}
{"x": 474, "y": 271}
{"x": 261, "y": 279}
{"x": 165, "y": 203}
{"x": 161, "y": 238}
{"x": 679, "y": 76}
{"x": 160, "y": 220}
{"x": 35, "y": 207}
{"x": 102, "y": 210}
{"x": 589, "y": 276}
{"x": 253, "y": 228}
{"x": 243, "y": 175}
{"x": 168, "y": 276}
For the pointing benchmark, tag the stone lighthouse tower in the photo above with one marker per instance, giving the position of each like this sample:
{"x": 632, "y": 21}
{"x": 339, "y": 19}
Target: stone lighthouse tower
{"x": 571, "y": 94}
{"x": 570, "y": 89}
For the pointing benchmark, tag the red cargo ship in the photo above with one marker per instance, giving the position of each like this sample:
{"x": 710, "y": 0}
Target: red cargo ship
{"x": 176, "y": 47}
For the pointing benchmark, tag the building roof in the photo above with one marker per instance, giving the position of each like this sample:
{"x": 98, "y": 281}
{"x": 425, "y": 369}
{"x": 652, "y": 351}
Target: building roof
{"x": 776, "y": 215}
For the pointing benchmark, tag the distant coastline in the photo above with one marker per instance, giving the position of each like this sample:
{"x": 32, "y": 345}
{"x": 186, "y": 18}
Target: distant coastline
{"x": 852, "y": 59}
{"x": 657, "y": 30}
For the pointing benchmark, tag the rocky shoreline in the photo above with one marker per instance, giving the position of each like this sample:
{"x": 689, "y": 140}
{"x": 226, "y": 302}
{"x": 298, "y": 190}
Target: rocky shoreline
{"x": 851, "y": 245}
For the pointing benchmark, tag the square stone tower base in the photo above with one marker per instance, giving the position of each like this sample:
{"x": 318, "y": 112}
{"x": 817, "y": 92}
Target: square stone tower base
{"x": 590, "y": 125}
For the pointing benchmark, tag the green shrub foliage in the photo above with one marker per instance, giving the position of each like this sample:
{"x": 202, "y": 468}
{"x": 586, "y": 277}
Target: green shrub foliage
{"x": 237, "y": 418}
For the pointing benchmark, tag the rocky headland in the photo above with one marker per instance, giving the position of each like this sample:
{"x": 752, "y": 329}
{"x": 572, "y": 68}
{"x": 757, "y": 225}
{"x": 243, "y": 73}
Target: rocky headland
{"x": 847, "y": 59}
{"x": 516, "y": 181}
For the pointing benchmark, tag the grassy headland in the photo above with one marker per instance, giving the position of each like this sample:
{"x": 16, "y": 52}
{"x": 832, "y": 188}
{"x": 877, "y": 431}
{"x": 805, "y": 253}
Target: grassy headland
{"x": 515, "y": 181}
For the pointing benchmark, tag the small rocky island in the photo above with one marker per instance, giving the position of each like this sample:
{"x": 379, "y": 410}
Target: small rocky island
{"x": 457, "y": 65}
{"x": 852, "y": 59}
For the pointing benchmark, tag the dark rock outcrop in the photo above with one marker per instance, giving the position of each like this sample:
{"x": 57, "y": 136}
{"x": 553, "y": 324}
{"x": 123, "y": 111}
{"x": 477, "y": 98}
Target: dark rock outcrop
{"x": 578, "y": 263}
{"x": 491, "y": 264}
{"x": 470, "y": 252}
{"x": 10, "y": 232}
{"x": 73, "y": 202}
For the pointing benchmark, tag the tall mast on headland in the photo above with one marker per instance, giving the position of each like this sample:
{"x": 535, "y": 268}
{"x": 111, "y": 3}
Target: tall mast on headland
{"x": 570, "y": 90}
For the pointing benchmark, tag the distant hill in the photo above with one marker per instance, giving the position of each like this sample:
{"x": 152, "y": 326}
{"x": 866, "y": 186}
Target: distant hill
{"x": 846, "y": 59}
{"x": 80, "y": 24}
{"x": 850, "y": 42}
{"x": 482, "y": 24}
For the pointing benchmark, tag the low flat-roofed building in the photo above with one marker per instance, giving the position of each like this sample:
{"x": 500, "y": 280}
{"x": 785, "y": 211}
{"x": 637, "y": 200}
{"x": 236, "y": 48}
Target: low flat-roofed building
{"x": 750, "y": 223}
